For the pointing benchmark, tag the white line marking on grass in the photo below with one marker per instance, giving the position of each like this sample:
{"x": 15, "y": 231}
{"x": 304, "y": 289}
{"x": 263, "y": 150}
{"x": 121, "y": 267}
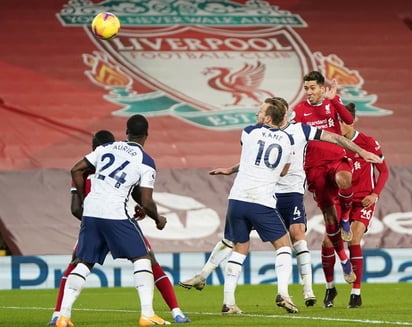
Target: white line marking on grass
{"x": 297, "y": 316}
{"x": 74, "y": 309}
{"x": 290, "y": 316}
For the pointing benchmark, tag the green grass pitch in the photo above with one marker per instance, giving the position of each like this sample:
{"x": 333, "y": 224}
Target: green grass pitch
{"x": 383, "y": 304}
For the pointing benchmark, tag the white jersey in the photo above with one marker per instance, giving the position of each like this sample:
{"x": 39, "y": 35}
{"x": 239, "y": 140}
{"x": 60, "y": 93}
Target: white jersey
{"x": 265, "y": 152}
{"x": 119, "y": 167}
{"x": 295, "y": 179}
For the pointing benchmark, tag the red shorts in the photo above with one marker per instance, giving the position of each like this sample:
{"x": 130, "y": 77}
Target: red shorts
{"x": 360, "y": 213}
{"x": 322, "y": 182}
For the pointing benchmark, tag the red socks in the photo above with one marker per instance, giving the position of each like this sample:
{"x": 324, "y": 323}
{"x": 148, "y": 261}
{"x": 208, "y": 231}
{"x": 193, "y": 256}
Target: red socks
{"x": 164, "y": 286}
{"x": 356, "y": 258}
{"x": 328, "y": 263}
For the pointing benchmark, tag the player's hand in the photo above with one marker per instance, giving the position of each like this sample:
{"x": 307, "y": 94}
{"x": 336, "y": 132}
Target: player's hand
{"x": 331, "y": 90}
{"x": 370, "y": 157}
{"x": 220, "y": 171}
{"x": 139, "y": 212}
{"x": 224, "y": 171}
{"x": 161, "y": 222}
{"x": 370, "y": 199}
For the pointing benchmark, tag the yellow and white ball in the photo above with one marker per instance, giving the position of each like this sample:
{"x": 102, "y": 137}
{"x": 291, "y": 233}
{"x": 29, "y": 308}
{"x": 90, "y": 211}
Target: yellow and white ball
{"x": 105, "y": 25}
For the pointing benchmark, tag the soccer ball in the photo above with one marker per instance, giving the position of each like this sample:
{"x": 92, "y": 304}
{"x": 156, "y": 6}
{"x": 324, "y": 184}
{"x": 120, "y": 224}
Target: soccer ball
{"x": 105, "y": 25}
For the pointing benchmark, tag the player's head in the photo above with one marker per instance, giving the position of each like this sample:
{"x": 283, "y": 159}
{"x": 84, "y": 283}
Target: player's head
{"x": 352, "y": 109}
{"x": 314, "y": 86}
{"x": 102, "y": 137}
{"x": 276, "y": 101}
{"x": 137, "y": 127}
{"x": 314, "y": 76}
{"x": 273, "y": 111}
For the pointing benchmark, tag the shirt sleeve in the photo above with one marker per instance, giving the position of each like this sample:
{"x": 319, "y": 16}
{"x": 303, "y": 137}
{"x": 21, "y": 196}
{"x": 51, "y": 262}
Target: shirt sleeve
{"x": 382, "y": 168}
{"x": 343, "y": 113}
{"x": 148, "y": 176}
{"x": 91, "y": 158}
{"x": 311, "y": 133}
{"x": 383, "y": 171}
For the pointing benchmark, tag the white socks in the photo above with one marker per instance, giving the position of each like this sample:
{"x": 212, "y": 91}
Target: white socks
{"x": 74, "y": 285}
{"x": 143, "y": 281}
{"x": 177, "y": 312}
{"x": 144, "y": 284}
{"x": 232, "y": 273}
{"x": 221, "y": 251}
{"x": 283, "y": 264}
{"x": 304, "y": 264}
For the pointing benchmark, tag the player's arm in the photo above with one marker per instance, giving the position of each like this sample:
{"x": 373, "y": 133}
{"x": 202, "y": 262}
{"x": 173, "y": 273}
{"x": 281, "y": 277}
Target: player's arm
{"x": 348, "y": 144}
{"x": 286, "y": 167}
{"x": 225, "y": 171}
{"x": 75, "y": 204}
{"x": 285, "y": 170}
{"x": 78, "y": 173}
{"x": 139, "y": 212}
{"x": 150, "y": 207}
{"x": 383, "y": 172}
{"x": 344, "y": 114}
{"x": 331, "y": 94}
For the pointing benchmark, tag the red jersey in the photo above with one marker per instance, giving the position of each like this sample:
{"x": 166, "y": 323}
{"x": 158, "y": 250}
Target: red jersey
{"x": 364, "y": 181}
{"x": 325, "y": 115}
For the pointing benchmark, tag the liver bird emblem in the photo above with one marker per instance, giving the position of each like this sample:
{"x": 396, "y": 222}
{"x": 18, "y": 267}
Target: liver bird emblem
{"x": 242, "y": 84}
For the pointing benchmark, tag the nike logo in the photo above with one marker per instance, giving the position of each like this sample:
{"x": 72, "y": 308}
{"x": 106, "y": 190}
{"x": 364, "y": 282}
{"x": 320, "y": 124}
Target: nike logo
{"x": 296, "y": 218}
{"x": 307, "y": 114}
